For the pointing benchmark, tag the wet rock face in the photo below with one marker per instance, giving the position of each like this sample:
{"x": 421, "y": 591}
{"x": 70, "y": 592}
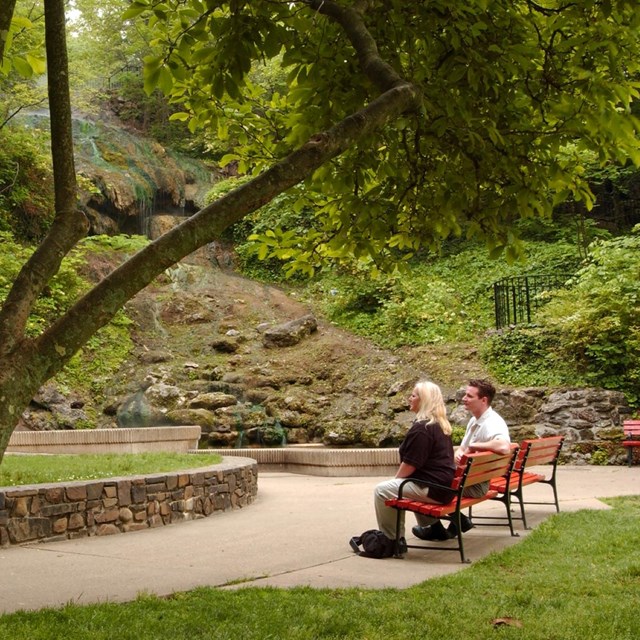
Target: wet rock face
{"x": 136, "y": 411}
{"x": 132, "y": 184}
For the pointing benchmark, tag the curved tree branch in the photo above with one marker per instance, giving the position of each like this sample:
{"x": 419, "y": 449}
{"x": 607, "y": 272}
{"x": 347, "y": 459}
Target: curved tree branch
{"x": 381, "y": 73}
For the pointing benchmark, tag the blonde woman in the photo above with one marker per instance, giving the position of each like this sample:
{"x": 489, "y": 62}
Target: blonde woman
{"x": 426, "y": 453}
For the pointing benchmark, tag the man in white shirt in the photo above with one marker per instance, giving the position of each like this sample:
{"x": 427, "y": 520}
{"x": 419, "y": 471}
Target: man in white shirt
{"x": 486, "y": 431}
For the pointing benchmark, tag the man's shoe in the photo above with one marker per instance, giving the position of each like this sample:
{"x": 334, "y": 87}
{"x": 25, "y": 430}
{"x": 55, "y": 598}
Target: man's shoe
{"x": 465, "y": 523}
{"x": 436, "y": 531}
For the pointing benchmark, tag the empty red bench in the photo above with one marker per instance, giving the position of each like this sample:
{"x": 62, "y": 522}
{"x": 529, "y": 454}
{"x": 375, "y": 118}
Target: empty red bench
{"x": 474, "y": 468}
{"x": 535, "y": 452}
{"x": 631, "y": 430}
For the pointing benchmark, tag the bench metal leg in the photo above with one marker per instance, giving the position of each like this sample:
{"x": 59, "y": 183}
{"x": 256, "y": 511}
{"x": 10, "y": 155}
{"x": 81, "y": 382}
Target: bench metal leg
{"x": 518, "y": 495}
{"x": 397, "y": 548}
{"x": 455, "y": 517}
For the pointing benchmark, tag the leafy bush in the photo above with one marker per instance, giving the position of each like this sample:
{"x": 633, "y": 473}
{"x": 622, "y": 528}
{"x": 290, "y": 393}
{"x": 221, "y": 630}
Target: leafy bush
{"x": 26, "y": 184}
{"x": 528, "y": 356}
{"x": 91, "y": 367}
{"x": 396, "y": 310}
{"x": 445, "y": 298}
{"x": 598, "y": 319}
{"x": 57, "y": 296}
{"x": 283, "y": 215}
{"x": 457, "y": 434}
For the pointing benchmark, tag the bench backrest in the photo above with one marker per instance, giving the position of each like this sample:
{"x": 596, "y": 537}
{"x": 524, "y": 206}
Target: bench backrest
{"x": 538, "y": 451}
{"x": 484, "y": 466}
{"x": 631, "y": 428}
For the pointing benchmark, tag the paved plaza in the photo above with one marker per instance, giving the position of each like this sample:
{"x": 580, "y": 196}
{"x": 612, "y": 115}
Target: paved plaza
{"x": 295, "y": 533}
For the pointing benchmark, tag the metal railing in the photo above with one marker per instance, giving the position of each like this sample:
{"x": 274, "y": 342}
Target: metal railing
{"x": 516, "y": 299}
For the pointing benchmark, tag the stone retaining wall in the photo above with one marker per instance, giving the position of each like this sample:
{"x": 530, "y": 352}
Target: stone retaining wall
{"x": 58, "y": 511}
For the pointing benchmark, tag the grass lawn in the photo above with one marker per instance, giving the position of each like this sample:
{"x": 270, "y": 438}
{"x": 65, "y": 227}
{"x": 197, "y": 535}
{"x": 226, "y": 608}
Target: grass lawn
{"x": 37, "y": 469}
{"x": 577, "y": 576}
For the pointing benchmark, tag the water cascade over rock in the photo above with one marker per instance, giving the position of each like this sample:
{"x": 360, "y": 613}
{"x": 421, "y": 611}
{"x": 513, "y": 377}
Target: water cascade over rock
{"x": 126, "y": 180}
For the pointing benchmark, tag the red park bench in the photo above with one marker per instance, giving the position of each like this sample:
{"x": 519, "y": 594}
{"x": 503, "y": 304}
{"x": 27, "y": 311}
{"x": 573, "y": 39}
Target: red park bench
{"x": 631, "y": 430}
{"x": 532, "y": 453}
{"x": 474, "y": 468}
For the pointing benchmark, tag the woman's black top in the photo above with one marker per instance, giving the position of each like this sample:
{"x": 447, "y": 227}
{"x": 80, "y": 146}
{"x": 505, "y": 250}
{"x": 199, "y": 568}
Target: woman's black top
{"x": 430, "y": 451}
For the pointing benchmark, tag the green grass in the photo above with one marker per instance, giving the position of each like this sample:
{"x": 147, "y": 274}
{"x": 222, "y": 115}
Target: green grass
{"x": 576, "y": 577}
{"x": 37, "y": 469}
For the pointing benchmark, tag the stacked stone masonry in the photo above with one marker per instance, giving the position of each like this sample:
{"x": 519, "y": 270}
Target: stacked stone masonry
{"x": 60, "y": 511}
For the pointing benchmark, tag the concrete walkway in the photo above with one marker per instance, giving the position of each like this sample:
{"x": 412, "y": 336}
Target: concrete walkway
{"x": 296, "y": 533}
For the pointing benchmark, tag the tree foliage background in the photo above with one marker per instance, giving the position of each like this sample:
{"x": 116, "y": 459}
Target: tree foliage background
{"x": 514, "y": 99}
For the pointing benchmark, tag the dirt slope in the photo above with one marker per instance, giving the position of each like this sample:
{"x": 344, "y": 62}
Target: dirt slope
{"x": 201, "y": 323}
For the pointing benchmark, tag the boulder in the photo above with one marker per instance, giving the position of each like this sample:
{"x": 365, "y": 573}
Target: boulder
{"x": 212, "y": 401}
{"x": 290, "y": 333}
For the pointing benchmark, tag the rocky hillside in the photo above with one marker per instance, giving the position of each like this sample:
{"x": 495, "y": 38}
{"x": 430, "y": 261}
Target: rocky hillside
{"x": 253, "y": 365}
{"x": 250, "y": 363}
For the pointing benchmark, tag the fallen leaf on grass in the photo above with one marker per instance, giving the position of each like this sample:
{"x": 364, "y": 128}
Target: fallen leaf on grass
{"x": 510, "y": 622}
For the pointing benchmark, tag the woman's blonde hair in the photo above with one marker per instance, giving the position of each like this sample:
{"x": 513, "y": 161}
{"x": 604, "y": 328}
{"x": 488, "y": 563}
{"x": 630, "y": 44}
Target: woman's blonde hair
{"x": 431, "y": 406}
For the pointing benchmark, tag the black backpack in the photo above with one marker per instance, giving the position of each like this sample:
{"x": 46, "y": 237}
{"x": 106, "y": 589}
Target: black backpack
{"x": 374, "y": 544}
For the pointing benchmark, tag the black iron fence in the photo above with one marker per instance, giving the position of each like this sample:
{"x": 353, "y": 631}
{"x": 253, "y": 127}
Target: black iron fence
{"x": 516, "y": 299}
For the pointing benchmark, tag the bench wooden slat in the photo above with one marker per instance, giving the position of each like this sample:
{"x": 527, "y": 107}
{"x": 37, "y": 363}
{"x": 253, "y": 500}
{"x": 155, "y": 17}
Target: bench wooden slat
{"x": 437, "y": 510}
{"x": 631, "y": 430}
{"x": 537, "y": 452}
{"x": 500, "y": 485}
{"x": 495, "y": 465}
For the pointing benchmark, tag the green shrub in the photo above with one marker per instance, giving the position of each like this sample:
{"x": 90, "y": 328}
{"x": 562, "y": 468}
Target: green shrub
{"x": 26, "y": 184}
{"x": 92, "y": 367}
{"x": 599, "y": 457}
{"x": 447, "y": 298}
{"x": 57, "y": 297}
{"x": 457, "y": 435}
{"x": 598, "y": 319}
{"x": 284, "y": 214}
{"x": 528, "y": 356}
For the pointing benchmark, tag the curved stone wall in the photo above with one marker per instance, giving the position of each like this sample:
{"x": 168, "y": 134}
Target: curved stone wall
{"x": 58, "y": 511}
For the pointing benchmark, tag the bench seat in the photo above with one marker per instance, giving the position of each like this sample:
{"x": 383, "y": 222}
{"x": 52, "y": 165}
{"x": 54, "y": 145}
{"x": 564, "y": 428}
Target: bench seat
{"x": 438, "y": 510}
{"x": 500, "y": 485}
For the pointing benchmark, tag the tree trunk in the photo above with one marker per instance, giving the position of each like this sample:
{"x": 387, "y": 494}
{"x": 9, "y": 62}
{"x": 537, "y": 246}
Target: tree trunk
{"x": 6, "y": 14}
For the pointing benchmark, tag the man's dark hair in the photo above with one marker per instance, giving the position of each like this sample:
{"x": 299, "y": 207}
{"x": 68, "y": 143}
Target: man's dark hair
{"x": 484, "y": 387}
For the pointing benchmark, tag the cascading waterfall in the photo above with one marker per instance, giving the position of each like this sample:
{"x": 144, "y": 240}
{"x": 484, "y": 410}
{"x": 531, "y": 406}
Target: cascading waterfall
{"x": 127, "y": 178}
{"x": 147, "y": 206}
